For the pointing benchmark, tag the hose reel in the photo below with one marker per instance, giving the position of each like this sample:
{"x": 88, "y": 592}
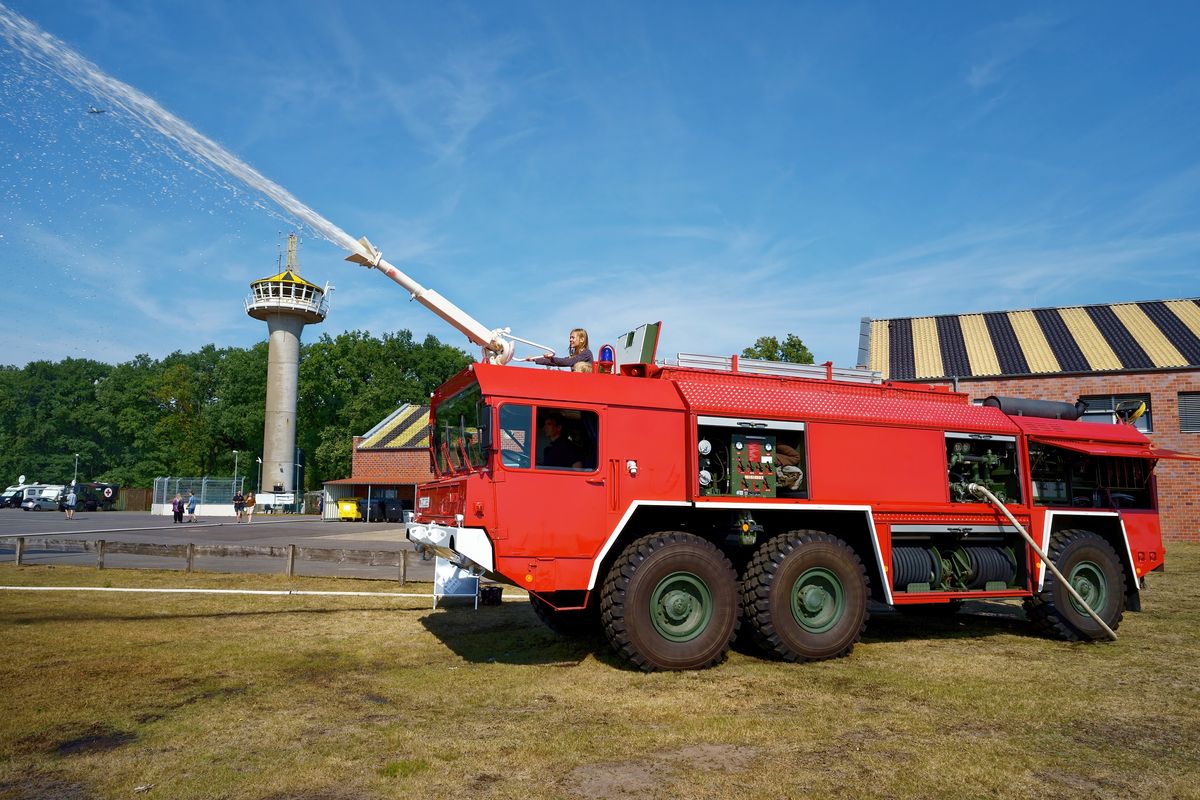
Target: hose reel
{"x": 957, "y": 568}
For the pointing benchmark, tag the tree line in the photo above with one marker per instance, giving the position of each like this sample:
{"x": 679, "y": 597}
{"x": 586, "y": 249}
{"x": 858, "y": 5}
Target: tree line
{"x": 186, "y": 413}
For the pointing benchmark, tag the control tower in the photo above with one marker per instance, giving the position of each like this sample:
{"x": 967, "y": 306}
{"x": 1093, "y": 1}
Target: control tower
{"x": 286, "y": 302}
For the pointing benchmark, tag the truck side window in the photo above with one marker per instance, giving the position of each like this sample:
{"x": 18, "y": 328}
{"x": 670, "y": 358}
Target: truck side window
{"x": 990, "y": 461}
{"x": 1067, "y": 478}
{"x": 567, "y": 438}
{"x": 516, "y": 435}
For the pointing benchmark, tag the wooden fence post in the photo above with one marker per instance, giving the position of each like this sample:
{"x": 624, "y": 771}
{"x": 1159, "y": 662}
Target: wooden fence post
{"x": 20, "y": 549}
{"x": 100, "y": 554}
{"x": 191, "y": 556}
{"x": 291, "y": 561}
{"x": 403, "y": 567}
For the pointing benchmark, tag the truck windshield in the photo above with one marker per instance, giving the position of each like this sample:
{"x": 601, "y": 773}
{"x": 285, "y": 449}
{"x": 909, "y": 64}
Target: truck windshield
{"x": 461, "y": 432}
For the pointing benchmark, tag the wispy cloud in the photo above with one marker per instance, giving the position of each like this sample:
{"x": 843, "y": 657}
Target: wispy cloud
{"x": 998, "y": 48}
{"x": 444, "y": 106}
{"x": 748, "y": 285}
{"x": 1009, "y": 272}
{"x": 132, "y": 300}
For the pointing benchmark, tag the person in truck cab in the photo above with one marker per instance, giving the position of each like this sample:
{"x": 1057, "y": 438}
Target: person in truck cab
{"x": 557, "y": 450}
{"x": 577, "y": 352}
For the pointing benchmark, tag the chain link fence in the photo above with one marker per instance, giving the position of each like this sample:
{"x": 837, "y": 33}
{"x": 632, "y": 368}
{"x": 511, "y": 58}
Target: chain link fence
{"x": 216, "y": 491}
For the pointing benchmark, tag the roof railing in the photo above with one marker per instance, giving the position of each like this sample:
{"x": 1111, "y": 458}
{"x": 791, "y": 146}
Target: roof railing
{"x": 780, "y": 368}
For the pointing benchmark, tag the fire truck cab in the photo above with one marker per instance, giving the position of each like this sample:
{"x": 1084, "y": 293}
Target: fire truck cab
{"x": 669, "y": 506}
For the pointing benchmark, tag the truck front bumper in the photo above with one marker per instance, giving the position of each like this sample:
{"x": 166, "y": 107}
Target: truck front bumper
{"x": 464, "y": 547}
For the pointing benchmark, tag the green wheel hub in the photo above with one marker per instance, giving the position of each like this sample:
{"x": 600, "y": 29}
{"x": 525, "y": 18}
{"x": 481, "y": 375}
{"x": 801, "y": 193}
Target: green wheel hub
{"x": 818, "y": 600}
{"x": 1088, "y": 579}
{"x": 681, "y": 607}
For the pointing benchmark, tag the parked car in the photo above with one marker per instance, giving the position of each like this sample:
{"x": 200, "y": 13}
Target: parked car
{"x": 40, "y": 504}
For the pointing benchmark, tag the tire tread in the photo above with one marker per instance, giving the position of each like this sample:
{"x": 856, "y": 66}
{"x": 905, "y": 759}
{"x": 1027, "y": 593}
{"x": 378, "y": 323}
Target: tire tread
{"x": 616, "y": 584}
{"x": 1042, "y": 610}
{"x": 756, "y": 588}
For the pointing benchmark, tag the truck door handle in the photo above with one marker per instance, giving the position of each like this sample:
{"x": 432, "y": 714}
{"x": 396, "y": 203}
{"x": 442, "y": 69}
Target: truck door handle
{"x": 596, "y": 481}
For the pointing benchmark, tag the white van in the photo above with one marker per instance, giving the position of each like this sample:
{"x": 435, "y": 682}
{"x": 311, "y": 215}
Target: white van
{"x": 12, "y": 496}
{"x": 50, "y": 490}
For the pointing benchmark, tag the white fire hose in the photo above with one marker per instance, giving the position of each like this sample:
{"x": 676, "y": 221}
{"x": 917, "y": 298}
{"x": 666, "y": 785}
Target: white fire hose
{"x": 981, "y": 491}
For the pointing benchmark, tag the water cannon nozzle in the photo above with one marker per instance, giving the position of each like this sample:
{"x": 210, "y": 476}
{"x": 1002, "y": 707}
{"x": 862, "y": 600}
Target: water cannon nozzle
{"x": 370, "y": 256}
{"x": 501, "y": 348}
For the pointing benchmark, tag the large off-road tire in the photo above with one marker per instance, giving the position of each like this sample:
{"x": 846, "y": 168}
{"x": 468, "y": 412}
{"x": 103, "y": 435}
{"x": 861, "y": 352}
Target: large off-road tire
{"x": 805, "y": 596}
{"x": 670, "y": 602}
{"x": 575, "y": 623}
{"x": 1091, "y": 565}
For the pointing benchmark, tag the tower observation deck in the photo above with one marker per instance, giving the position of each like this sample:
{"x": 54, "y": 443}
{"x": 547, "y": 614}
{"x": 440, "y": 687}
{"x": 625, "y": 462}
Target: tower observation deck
{"x": 286, "y": 302}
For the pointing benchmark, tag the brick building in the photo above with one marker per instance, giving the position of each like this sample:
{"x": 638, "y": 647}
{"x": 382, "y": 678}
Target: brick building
{"x": 388, "y": 461}
{"x": 1104, "y": 354}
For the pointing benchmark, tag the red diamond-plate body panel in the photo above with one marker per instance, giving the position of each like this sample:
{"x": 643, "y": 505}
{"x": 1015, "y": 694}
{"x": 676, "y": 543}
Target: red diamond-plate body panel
{"x": 741, "y": 394}
{"x": 1082, "y": 431}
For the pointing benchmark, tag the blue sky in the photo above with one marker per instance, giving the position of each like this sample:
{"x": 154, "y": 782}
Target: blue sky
{"x": 735, "y": 170}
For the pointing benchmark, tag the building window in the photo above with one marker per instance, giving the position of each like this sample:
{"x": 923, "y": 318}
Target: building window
{"x": 1110, "y": 407}
{"x": 1189, "y": 412}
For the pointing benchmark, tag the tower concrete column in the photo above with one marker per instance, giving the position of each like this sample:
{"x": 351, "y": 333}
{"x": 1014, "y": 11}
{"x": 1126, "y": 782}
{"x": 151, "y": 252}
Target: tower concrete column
{"x": 279, "y": 427}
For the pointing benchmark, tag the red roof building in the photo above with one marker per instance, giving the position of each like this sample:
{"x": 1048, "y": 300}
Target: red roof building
{"x": 387, "y": 463}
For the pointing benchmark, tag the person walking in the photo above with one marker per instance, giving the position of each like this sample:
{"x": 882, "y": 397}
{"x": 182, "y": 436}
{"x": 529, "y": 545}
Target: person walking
{"x": 250, "y": 501}
{"x": 177, "y": 508}
{"x": 239, "y": 504}
{"x": 191, "y": 507}
{"x": 71, "y": 499}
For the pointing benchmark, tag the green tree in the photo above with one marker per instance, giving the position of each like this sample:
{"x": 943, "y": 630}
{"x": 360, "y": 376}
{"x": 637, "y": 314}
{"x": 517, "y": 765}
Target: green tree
{"x": 187, "y": 413}
{"x": 350, "y": 382}
{"x": 768, "y": 348}
{"x": 236, "y": 409}
{"x": 47, "y": 414}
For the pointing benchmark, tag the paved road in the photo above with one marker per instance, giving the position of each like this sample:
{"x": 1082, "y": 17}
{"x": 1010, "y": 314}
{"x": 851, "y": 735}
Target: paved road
{"x": 133, "y": 526}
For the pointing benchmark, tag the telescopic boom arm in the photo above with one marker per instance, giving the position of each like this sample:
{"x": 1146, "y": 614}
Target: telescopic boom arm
{"x": 497, "y": 344}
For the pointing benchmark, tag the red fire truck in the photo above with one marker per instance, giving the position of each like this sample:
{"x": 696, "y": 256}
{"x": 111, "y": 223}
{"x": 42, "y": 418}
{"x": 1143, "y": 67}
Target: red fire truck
{"x": 697, "y": 500}
{"x": 670, "y": 505}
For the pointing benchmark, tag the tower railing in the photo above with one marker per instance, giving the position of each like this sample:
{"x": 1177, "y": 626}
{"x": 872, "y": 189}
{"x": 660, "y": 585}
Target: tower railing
{"x": 287, "y": 296}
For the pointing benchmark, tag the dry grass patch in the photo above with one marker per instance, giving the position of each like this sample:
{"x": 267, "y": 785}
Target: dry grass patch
{"x": 359, "y": 697}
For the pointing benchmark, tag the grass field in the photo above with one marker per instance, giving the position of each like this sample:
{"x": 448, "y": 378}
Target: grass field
{"x": 189, "y": 696}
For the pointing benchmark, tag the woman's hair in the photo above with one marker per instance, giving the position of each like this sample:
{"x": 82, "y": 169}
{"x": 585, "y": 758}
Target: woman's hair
{"x": 582, "y": 366}
{"x": 582, "y": 333}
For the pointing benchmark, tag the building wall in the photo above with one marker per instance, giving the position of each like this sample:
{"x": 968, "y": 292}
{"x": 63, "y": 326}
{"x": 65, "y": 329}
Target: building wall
{"x": 1178, "y": 481}
{"x": 390, "y": 465}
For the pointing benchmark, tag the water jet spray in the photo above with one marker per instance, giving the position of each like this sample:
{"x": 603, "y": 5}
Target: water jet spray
{"x": 40, "y": 47}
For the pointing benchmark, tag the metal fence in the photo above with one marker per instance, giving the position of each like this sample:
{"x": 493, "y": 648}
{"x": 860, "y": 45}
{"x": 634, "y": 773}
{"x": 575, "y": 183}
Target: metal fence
{"x": 208, "y": 490}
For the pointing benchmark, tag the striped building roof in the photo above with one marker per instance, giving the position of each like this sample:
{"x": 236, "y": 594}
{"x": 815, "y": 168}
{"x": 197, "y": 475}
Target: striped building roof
{"x": 407, "y": 426}
{"x": 1162, "y": 334}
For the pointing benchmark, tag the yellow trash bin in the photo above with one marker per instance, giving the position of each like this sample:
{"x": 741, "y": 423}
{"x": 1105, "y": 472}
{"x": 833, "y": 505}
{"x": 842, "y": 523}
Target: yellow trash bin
{"x": 348, "y": 508}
